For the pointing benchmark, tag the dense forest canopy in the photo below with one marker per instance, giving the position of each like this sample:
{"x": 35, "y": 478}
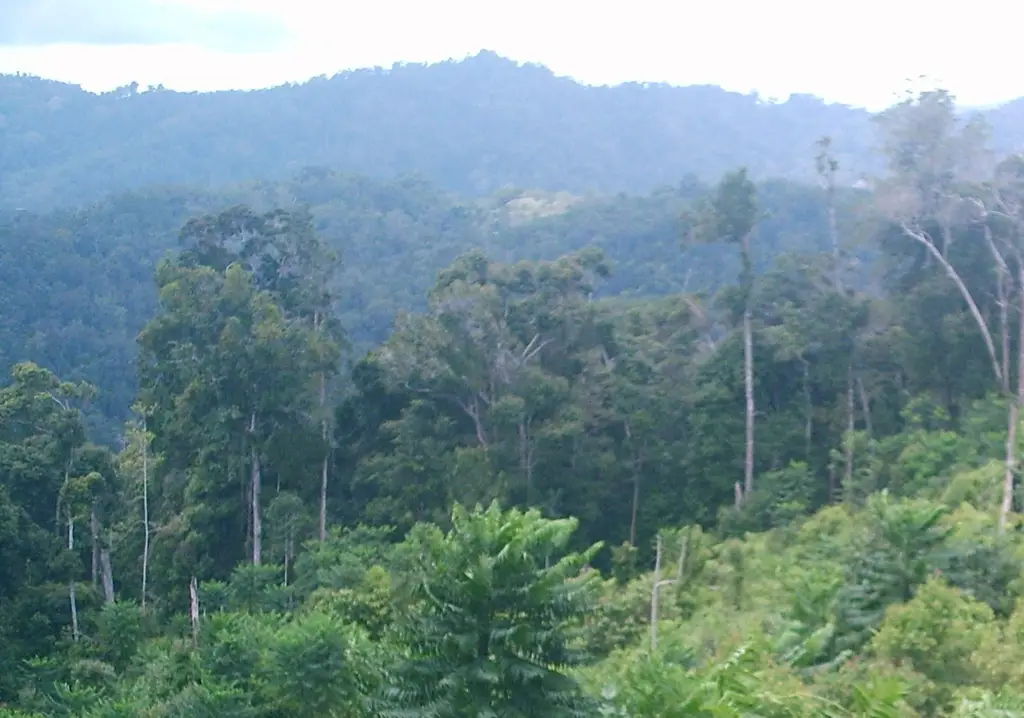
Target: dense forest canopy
{"x": 473, "y": 126}
{"x": 77, "y": 285}
{"x": 325, "y": 444}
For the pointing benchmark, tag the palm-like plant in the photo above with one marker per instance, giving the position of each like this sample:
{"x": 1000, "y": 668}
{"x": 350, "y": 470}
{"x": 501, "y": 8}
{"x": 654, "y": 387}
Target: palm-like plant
{"x": 498, "y": 600}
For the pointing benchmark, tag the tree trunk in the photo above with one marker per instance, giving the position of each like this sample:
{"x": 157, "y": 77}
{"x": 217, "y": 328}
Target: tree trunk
{"x": 654, "y": 595}
{"x": 951, "y": 272}
{"x": 287, "y": 558}
{"x": 107, "y": 575}
{"x": 71, "y": 587}
{"x": 323, "y": 495}
{"x": 636, "y": 506}
{"x": 833, "y": 230}
{"x": 526, "y": 452}
{"x": 1004, "y": 331}
{"x": 94, "y": 530}
{"x": 145, "y": 511}
{"x": 256, "y": 485}
{"x": 1013, "y": 414}
{"x": 850, "y": 426}
{"x": 193, "y": 594}
{"x": 808, "y": 411}
{"x": 865, "y": 408}
{"x": 326, "y": 460}
{"x": 748, "y": 384}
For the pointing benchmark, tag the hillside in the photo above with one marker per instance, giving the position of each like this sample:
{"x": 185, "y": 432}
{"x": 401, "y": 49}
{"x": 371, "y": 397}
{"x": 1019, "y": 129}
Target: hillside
{"x": 472, "y": 126}
{"x": 576, "y": 481}
{"x": 77, "y": 285}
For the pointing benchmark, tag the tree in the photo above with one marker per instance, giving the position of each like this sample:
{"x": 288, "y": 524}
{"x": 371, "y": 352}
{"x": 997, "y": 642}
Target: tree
{"x": 497, "y": 598}
{"x": 732, "y": 216}
{"x": 930, "y": 195}
{"x": 230, "y": 368}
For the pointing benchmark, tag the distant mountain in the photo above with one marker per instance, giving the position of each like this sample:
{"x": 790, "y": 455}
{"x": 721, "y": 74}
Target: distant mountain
{"x": 472, "y": 126}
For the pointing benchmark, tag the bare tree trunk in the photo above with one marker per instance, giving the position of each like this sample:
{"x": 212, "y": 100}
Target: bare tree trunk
{"x": 326, "y": 461}
{"x": 850, "y": 426}
{"x": 145, "y": 511}
{"x": 94, "y": 531}
{"x": 1013, "y": 415}
{"x": 71, "y": 587}
{"x": 808, "y": 411}
{"x": 193, "y": 594}
{"x": 865, "y": 407}
{"x": 287, "y": 558}
{"x": 526, "y": 460}
{"x": 635, "y": 510}
{"x": 654, "y": 594}
{"x": 107, "y": 574}
{"x": 951, "y": 272}
{"x": 748, "y": 384}
{"x": 827, "y": 167}
{"x": 257, "y": 480}
{"x": 1004, "y": 331}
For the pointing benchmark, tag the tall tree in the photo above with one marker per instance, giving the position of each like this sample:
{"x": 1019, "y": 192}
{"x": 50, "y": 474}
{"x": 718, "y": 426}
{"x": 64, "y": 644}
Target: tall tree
{"x": 231, "y": 362}
{"x": 936, "y": 164}
{"x": 731, "y": 215}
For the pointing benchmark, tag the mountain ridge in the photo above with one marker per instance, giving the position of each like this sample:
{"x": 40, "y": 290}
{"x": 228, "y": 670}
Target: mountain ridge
{"x": 473, "y": 126}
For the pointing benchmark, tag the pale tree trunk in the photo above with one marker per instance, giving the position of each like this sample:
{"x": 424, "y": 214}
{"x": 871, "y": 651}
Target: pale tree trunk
{"x": 71, "y": 587}
{"x": 636, "y": 506}
{"x": 107, "y": 574}
{"x": 1012, "y": 402}
{"x": 193, "y": 594}
{"x": 1013, "y": 415}
{"x": 827, "y": 167}
{"x": 951, "y": 272}
{"x": 865, "y": 408}
{"x": 850, "y": 426}
{"x": 324, "y": 474}
{"x": 1004, "y": 330}
{"x": 145, "y": 511}
{"x": 325, "y": 464}
{"x": 833, "y": 230}
{"x": 638, "y": 465}
{"x": 808, "y": 411}
{"x": 257, "y": 482}
{"x": 748, "y": 385}
{"x": 684, "y": 548}
{"x": 654, "y": 595}
{"x": 94, "y": 531}
{"x": 323, "y": 494}
{"x": 526, "y": 451}
{"x": 287, "y": 559}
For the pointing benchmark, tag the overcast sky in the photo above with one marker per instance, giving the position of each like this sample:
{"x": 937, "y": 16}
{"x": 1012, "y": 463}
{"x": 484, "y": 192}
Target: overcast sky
{"x": 860, "y": 53}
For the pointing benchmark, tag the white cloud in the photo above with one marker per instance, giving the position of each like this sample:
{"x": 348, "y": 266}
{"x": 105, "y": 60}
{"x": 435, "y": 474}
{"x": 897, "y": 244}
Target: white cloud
{"x": 859, "y": 53}
{"x": 41, "y": 23}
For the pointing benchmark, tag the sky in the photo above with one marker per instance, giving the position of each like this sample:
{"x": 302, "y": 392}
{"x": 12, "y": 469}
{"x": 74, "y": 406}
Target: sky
{"x": 861, "y": 53}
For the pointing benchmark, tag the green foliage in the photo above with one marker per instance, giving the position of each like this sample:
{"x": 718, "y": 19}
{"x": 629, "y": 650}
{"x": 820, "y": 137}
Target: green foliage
{"x": 535, "y": 130}
{"x": 277, "y": 537}
{"x": 498, "y": 598}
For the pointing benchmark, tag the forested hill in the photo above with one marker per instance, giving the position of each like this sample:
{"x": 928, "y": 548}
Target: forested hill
{"x": 792, "y": 499}
{"x": 472, "y": 126}
{"x": 77, "y": 285}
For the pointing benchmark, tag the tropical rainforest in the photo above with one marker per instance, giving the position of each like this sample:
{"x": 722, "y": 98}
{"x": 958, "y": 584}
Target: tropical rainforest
{"x": 419, "y": 393}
